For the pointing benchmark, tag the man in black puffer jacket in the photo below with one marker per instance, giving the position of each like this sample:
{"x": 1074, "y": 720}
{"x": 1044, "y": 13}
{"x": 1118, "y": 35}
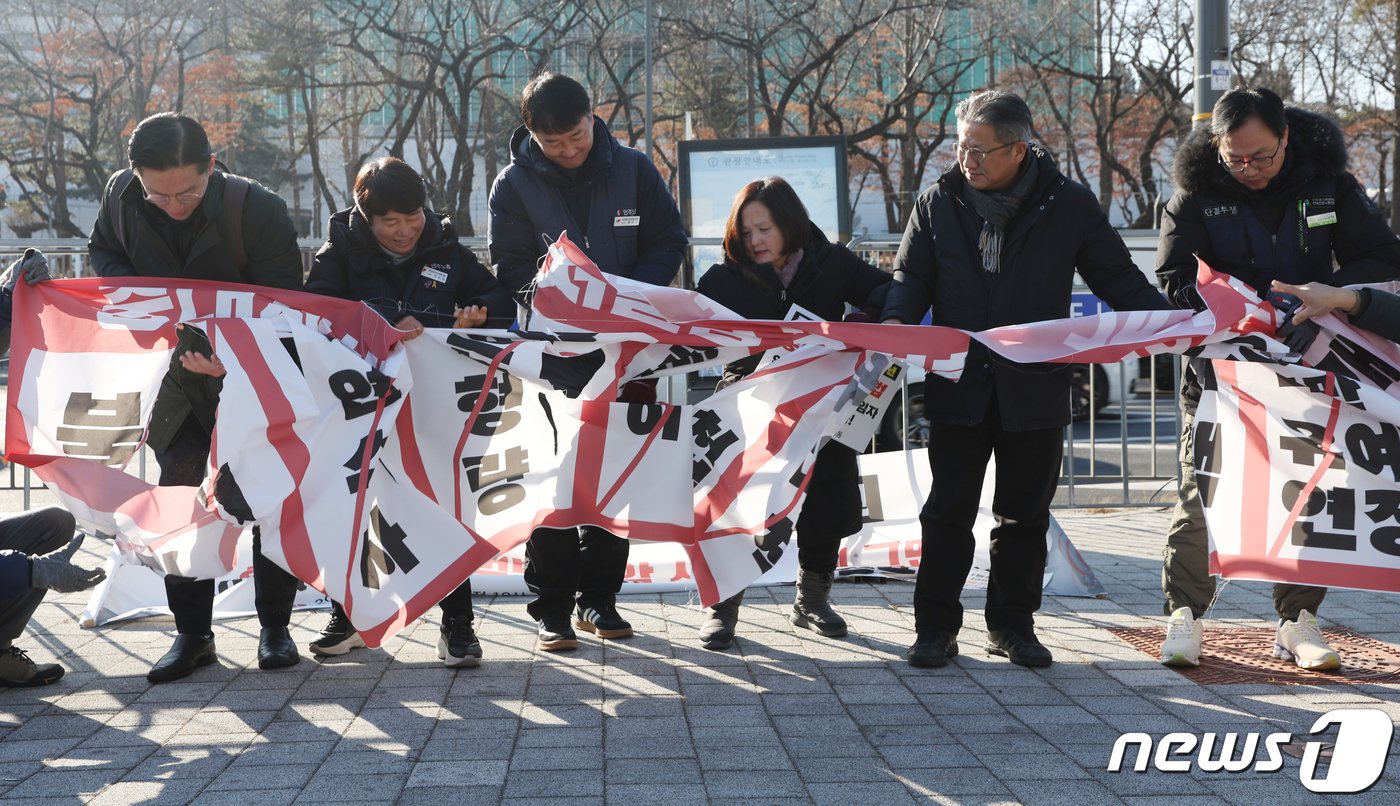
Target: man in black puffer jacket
{"x": 567, "y": 172}
{"x": 997, "y": 242}
{"x": 1262, "y": 194}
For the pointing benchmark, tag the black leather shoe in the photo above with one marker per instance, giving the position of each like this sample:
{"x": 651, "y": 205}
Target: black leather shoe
{"x": 187, "y": 654}
{"x": 1021, "y": 647}
{"x": 276, "y": 649}
{"x": 933, "y": 651}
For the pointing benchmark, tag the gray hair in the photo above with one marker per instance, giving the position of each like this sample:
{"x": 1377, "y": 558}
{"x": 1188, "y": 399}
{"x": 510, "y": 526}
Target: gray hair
{"x": 1007, "y": 114}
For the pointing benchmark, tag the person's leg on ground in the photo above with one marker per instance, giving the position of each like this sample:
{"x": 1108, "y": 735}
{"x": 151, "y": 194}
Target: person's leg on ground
{"x": 1298, "y": 638}
{"x": 830, "y": 511}
{"x": 182, "y": 463}
{"x": 958, "y": 458}
{"x": 32, "y": 533}
{"x": 552, "y": 574}
{"x": 1027, "y": 474}
{"x": 1187, "y": 583}
{"x": 274, "y": 593}
{"x": 458, "y": 646}
{"x": 602, "y": 569}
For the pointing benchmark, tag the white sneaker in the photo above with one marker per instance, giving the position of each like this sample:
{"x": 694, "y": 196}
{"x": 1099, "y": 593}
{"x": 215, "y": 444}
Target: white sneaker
{"x": 1182, "y": 646}
{"x": 1302, "y": 642}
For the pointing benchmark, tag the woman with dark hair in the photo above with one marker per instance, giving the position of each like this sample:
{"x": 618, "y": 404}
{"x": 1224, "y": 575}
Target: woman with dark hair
{"x": 776, "y": 258}
{"x": 393, "y": 253}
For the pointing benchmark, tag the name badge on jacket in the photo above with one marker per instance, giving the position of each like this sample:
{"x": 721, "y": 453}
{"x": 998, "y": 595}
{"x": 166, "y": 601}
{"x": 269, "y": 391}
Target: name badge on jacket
{"x": 626, "y": 218}
{"x": 436, "y": 275}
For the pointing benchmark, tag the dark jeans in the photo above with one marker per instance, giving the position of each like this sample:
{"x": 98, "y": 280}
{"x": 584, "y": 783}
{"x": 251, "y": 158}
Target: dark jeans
{"x": 36, "y": 532}
{"x": 1027, "y": 471}
{"x": 559, "y": 563}
{"x": 192, "y": 600}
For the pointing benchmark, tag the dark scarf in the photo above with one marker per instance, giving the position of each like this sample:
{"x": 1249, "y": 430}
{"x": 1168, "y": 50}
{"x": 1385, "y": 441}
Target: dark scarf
{"x": 997, "y": 209}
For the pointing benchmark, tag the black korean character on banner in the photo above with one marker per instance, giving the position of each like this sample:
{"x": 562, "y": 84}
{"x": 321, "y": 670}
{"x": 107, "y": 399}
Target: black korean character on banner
{"x": 1375, "y": 450}
{"x": 642, "y": 418}
{"x": 1339, "y": 505}
{"x": 1346, "y": 389}
{"x": 359, "y": 392}
{"x": 570, "y": 373}
{"x": 103, "y": 429}
{"x": 1384, "y": 505}
{"x": 1206, "y": 447}
{"x": 498, "y": 472}
{"x": 503, "y": 395}
{"x": 1306, "y": 450}
{"x": 1384, "y": 509}
{"x": 770, "y": 544}
{"x": 353, "y": 463}
{"x": 711, "y": 441}
{"x": 478, "y": 346}
{"x": 1350, "y": 359}
{"x": 679, "y": 356}
{"x": 384, "y": 550}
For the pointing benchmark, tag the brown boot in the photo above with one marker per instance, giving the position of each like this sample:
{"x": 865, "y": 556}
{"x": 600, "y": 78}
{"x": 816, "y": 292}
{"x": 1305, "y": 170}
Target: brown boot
{"x": 718, "y": 630}
{"x": 812, "y": 609}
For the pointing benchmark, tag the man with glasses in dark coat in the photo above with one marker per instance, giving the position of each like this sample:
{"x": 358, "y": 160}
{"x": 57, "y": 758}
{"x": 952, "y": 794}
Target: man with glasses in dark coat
{"x": 1263, "y": 194}
{"x": 997, "y": 242}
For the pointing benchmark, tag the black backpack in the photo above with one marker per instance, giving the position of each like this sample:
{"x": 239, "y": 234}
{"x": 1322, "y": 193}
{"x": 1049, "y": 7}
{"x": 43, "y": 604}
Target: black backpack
{"x": 230, "y": 224}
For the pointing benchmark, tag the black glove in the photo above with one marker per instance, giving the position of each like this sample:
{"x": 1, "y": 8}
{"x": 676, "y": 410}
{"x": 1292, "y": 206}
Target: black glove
{"x": 1298, "y": 336}
{"x": 34, "y": 266}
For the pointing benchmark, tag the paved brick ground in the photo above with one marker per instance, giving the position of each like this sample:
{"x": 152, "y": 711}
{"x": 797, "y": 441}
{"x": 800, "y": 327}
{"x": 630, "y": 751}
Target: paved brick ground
{"x": 786, "y": 717}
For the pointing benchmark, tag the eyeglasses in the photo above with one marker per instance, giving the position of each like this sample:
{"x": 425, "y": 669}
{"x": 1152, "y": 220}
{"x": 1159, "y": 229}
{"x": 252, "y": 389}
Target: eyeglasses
{"x": 978, "y": 154}
{"x": 161, "y": 200}
{"x": 1236, "y": 166}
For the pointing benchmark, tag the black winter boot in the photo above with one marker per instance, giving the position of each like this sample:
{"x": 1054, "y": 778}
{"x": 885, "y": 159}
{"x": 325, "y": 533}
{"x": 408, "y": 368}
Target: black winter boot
{"x": 718, "y": 630}
{"x": 812, "y": 608}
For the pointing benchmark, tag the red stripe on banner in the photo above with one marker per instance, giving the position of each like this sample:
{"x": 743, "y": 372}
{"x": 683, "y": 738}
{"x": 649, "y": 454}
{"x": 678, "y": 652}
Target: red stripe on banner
{"x": 636, "y": 460}
{"x": 296, "y": 457}
{"x": 588, "y": 455}
{"x": 430, "y": 594}
{"x": 1329, "y": 389}
{"x": 491, "y": 370}
{"x": 361, "y": 484}
{"x": 413, "y": 465}
{"x": 1311, "y": 572}
{"x": 730, "y": 483}
{"x": 1254, "y": 509}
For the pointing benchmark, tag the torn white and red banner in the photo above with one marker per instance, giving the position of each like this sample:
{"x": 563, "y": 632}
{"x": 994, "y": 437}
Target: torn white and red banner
{"x": 1299, "y": 466}
{"x": 384, "y": 472}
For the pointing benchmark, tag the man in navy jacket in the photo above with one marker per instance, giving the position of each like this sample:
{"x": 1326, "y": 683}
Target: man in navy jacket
{"x": 568, "y": 174}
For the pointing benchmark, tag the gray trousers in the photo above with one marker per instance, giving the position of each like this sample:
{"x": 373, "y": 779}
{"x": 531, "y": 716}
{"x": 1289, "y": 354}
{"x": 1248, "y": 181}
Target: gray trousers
{"x": 36, "y": 532}
{"x": 1186, "y": 578}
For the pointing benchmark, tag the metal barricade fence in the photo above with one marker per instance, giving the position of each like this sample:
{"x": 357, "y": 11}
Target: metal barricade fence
{"x": 1121, "y": 449}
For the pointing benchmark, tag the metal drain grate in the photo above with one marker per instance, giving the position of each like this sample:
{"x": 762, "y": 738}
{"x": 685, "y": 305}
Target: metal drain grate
{"x": 1246, "y": 655}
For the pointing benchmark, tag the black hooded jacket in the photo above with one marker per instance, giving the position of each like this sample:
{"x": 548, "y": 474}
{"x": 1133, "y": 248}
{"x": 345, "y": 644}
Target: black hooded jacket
{"x": 615, "y": 207}
{"x": 1311, "y": 212}
{"x": 441, "y": 275}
